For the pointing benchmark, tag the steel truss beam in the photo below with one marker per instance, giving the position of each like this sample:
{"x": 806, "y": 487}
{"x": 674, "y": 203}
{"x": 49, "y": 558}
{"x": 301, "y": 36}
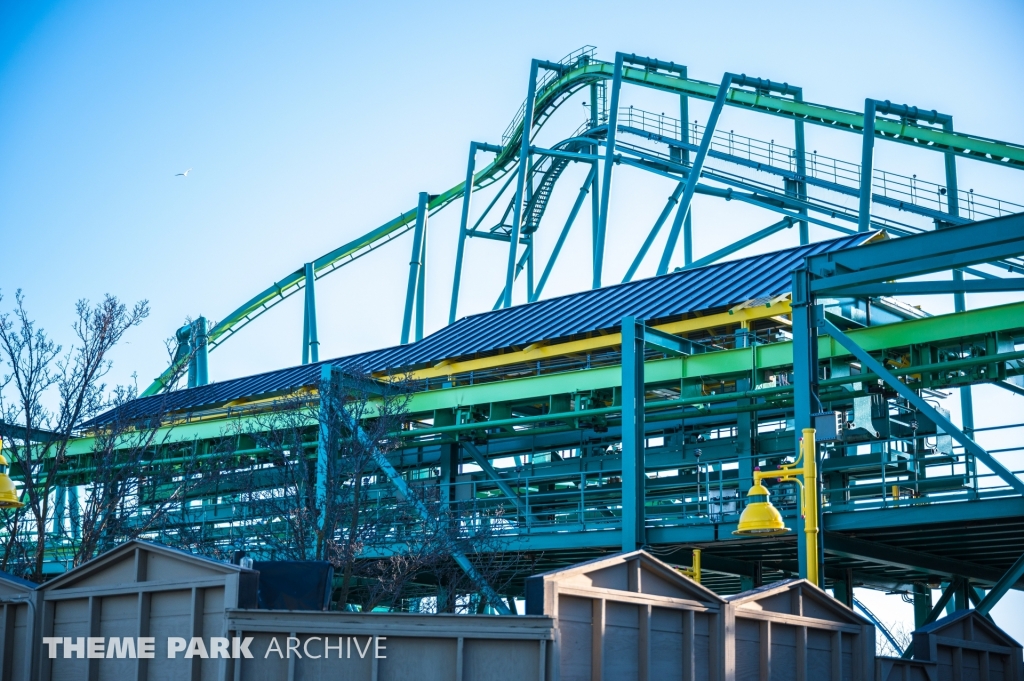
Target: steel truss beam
{"x": 945, "y": 249}
{"x": 924, "y": 407}
{"x": 926, "y": 563}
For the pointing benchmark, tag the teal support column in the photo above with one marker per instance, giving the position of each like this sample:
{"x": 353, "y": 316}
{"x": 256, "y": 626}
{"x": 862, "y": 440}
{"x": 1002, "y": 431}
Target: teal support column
{"x": 609, "y": 161}
{"x": 922, "y": 604}
{"x": 801, "y": 169}
{"x": 867, "y": 165}
{"x": 310, "y": 342}
{"x": 633, "y": 442}
{"x": 467, "y": 197}
{"x": 595, "y": 195}
{"x": 60, "y": 494}
{"x": 421, "y": 286}
{"x": 521, "y": 179}
{"x": 587, "y": 184}
{"x": 684, "y": 157}
{"x": 673, "y": 199}
{"x": 414, "y": 265}
{"x": 198, "y": 366}
{"x": 694, "y": 175}
{"x": 74, "y": 514}
{"x": 805, "y": 379}
{"x": 323, "y": 442}
{"x": 959, "y": 299}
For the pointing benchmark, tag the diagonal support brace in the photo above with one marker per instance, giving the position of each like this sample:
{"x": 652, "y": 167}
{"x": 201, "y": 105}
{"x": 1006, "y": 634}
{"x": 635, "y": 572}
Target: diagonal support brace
{"x": 482, "y": 461}
{"x": 403, "y": 488}
{"x": 904, "y": 391}
{"x": 1007, "y": 581}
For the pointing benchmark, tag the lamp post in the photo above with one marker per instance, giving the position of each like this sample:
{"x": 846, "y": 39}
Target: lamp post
{"x": 8, "y": 493}
{"x": 760, "y": 518}
{"x": 693, "y": 572}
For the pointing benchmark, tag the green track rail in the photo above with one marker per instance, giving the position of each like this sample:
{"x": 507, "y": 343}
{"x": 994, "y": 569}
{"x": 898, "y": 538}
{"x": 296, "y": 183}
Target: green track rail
{"x": 549, "y": 99}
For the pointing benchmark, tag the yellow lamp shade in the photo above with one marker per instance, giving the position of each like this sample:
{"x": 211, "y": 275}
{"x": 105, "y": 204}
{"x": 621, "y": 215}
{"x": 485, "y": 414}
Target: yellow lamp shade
{"x": 8, "y": 493}
{"x": 760, "y": 518}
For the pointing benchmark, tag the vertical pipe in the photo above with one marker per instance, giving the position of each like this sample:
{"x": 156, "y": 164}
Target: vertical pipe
{"x": 867, "y": 165}
{"x": 591, "y": 179}
{"x": 414, "y": 265}
{"x": 801, "y": 169}
{"x": 609, "y": 161}
{"x": 521, "y": 179}
{"x": 811, "y": 495}
{"x": 695, "y": 170}
{"x": 467, "y": 196}
{"x": 421, "y": 286}
{"x": 633, "y": 464}
{"x": 312, "y": 339}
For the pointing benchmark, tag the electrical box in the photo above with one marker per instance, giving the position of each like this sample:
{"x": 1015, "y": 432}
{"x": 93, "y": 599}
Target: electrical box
{"x": 828, "y": 426}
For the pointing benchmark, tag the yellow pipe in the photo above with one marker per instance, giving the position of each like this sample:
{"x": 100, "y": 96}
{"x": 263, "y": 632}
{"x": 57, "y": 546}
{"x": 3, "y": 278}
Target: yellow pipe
{"x": 810, "y": 471}
{"x": 693, "y": 572}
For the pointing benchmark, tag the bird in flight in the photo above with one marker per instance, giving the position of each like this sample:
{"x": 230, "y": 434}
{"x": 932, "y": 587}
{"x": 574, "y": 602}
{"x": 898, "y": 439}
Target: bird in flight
{"x": 184, "y": 174}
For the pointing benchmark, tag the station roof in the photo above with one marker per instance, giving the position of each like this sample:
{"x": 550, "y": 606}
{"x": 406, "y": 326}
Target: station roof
{"x": 655, "y": 299}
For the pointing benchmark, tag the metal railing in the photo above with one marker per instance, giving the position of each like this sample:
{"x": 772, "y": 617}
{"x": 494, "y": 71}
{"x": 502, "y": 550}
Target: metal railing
{"x": 545, "y": 79}
{"x": 894, "y": 186}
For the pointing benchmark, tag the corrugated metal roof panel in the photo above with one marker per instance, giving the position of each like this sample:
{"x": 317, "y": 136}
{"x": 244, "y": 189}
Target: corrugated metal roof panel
{"x": 713, "y": 286}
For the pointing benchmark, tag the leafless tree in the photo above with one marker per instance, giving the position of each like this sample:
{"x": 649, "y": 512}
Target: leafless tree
{"x": 315, "y": 487}
{"x": 37, "y": 436}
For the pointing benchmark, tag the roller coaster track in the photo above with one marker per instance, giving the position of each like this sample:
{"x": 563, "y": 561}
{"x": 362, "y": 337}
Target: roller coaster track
{"x": 579, "y": 70}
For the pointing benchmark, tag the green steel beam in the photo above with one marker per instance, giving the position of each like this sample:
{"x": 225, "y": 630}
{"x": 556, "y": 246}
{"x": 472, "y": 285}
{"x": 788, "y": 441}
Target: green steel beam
{"x": 549, "y": 99}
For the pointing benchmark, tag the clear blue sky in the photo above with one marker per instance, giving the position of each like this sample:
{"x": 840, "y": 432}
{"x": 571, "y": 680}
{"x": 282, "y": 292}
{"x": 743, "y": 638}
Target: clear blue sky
{"x": 307, "y": 124}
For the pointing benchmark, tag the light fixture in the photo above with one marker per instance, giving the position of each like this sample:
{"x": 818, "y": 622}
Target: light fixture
{"x": 760, "y": 518}
{"x": 8, "y": 493}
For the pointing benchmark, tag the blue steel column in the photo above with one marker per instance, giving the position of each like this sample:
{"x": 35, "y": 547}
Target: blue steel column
{"x": 695, "y": 170}
{"x": 467, "y": 196}
{"x": 524, "y": 167}
{"x": 959, "y": 299}
{"x": 587, "y": 183}
{"x": 609, "y": 161}
{"x": 867, "y": 165}
{"x": 801, "y": 169}
{"x": 633, "y": 464}
{"x": 202, "y": 352}
{"x": 323, "y": 443}
{"x": 414, "y": 265}
{"x": 311, "y": 345}
{"x": 684, "y": 113}
{"x": 673, "y": 199}
{"x": 805, "y": 377}
{"x": 421, "y": 286}
{"x": 595, "y": 194}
